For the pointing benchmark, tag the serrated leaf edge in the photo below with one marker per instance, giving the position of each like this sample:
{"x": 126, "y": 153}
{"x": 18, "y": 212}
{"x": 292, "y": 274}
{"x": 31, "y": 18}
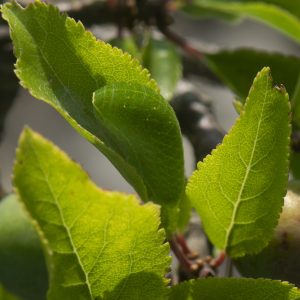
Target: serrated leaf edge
{"x": 192, "y": 282}
{"x": 82, "y": 131}
{"x": 161, "y": 233}
{"x": 220, "y": 146}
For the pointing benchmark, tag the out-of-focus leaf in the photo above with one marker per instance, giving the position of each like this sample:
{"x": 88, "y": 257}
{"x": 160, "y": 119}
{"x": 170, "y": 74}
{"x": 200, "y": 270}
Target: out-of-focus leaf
{"x": 238, "y": 67}
{"x": 127, "y": 44}
{"x": 4, "y": 295}
{"x": 270, "y": 13}
{"x": 22, "y": 264}
{"x": 296, "y": 104}
{"x": 291, "y": 6}
{"x": 295, "y": 164}
{"x": 161, "y": 58}
{"x": 280, "y": 259}
{"x": 185, "y": 209}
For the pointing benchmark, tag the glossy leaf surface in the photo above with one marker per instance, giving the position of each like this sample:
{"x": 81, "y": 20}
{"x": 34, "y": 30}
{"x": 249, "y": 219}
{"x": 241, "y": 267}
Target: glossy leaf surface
{"x": 63, "y": 65}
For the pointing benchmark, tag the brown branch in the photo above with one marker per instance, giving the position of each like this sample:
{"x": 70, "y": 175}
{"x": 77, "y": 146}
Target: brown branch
{"x": 181, "y": 42}
{"x": 219, "y": 260}
{"x": 188, "y": 266}
{"x": 185, "y": 248}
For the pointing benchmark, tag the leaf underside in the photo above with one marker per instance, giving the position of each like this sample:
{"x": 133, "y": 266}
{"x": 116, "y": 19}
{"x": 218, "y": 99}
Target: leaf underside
{"x": 238, "y": 190}
{"x": 99, "y": 244}
{"x": 62, "y": 64}
{"x": 234, "y": 289}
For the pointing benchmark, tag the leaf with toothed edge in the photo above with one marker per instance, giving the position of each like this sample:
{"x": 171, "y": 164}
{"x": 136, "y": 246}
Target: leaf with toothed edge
{"x": 100, "y": 244}
{"x": 234, "y": 289}
{"x": 238, "y": 190}
{"x": 63, "y": 65}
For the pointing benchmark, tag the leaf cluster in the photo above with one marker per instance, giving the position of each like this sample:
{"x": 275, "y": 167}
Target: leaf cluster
{"x": 97, "y": 244}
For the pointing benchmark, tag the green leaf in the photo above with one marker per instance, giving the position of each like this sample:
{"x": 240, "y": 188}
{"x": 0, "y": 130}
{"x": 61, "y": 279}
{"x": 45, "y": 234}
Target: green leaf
{"x": 100, "y": 244}
{"x": 127, "y": 44}
{"x": 23, "y": 270}
{"x": 237, "y": 68}
{"x": 238, "y": 190}
{"x": 291, "y": 6}
{"x": 119, "y": 106}
{"x": 295, "y": 164}
{"x": 230, "y": 67}
{"x": 184, "y": 215}
{"x": 63, "y": 65}
{"x": 279, "y": 260}
{"x": 4, "y": 295}
{"x": 163, "y": 61}
{"x": 271, "y": 14}
{"x": 234, "y": 289}
{"x": 296, "y": 104}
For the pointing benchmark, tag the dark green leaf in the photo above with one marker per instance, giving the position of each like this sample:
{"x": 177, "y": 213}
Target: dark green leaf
{"x": 163, "y": 61}
{"x": 128, "y": 127}
{"x": 4, "y": 295}
{"x": 63, "y": 65}
{"x": 237, "y": 68}
{"x": 23, "y": 270}
{"x": 234, "y": 289}
{"x": 295, "y": 164}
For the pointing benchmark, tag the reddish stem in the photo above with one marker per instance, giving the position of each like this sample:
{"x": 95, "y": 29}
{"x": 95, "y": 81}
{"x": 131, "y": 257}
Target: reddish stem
{"x": 182, "y": 43}
{"x": 218, "y": 261}
{"x": 185, "y": 263}
{"x": 185, "y": 248}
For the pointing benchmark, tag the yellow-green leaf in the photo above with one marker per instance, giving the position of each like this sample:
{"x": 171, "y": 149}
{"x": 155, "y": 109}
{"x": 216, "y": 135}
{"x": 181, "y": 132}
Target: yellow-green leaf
{"x": 62, "y": 64}
{"x": 100, "y": 244}
{"x": 238, "y": 190}
{"x": 273, "y": 13}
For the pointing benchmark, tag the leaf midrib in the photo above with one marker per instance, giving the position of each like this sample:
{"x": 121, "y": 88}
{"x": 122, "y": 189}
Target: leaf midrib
{"x": 89, "y": 134}
{"x": 248, "y": 169}
{"x": 56, "y": 203}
